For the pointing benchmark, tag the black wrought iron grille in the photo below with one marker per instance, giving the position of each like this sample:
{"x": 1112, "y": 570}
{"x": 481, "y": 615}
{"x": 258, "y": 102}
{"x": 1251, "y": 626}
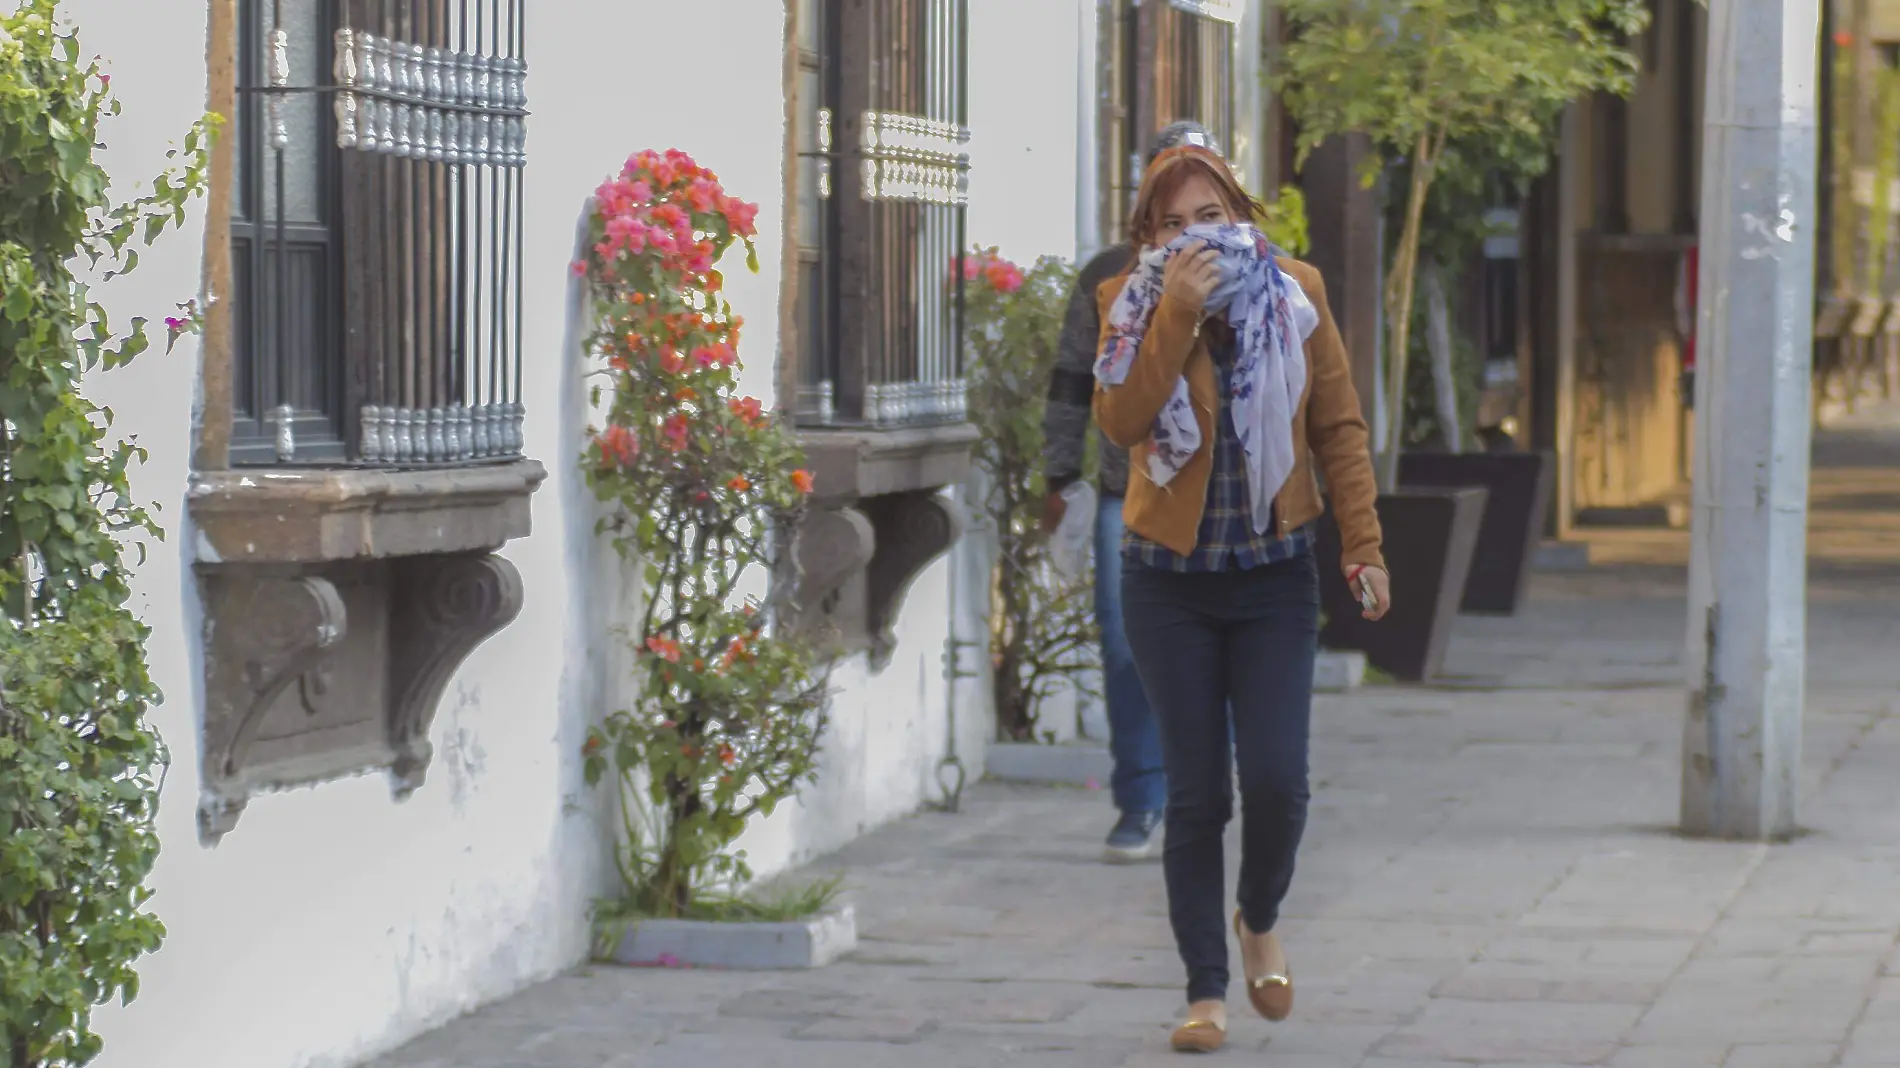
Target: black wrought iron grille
{"x": 377, "y": 244}
{"x": 891, "y": 158}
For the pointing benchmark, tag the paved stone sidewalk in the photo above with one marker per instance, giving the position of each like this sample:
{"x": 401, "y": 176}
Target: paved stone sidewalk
{"x": 1489, "y": 877}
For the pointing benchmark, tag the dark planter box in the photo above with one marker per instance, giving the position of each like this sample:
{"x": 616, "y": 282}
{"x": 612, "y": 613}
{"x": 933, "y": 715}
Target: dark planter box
{"x": 1513, "y": 525}
{"x": 1430, "y": 535}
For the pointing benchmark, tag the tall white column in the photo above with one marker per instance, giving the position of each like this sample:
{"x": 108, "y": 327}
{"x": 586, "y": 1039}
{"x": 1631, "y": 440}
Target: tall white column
{"x": 1748, "y": 568}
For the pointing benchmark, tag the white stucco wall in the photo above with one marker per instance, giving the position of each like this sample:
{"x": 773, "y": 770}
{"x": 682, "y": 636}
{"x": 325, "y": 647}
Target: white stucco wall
{"x": 332, "y": 922}
{"x": 1024, "y": 63}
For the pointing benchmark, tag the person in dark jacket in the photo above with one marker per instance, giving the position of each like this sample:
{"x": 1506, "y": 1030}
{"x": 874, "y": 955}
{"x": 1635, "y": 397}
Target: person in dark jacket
{"x": 1139, "y": 785}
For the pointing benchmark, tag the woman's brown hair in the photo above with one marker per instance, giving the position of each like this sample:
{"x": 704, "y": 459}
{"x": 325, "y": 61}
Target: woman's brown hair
{"x": 1168, "y": 173}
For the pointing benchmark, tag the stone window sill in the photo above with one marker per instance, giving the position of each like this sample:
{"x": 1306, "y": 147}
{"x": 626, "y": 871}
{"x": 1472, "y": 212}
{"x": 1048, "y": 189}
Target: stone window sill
{"x": 878, "y": 519}
{"x": 338, "y": 604}
{"x": 298, "y": 516}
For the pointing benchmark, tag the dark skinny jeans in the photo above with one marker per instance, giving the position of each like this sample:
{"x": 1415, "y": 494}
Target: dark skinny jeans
{"x": 1205, "y": 643}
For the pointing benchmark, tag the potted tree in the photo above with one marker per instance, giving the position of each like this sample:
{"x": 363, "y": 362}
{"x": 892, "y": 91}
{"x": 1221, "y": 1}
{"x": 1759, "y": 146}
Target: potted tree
{"x": 1418, "y": 76}
{"x": 1473, "y": 177}
{"x": 701, "y": 487}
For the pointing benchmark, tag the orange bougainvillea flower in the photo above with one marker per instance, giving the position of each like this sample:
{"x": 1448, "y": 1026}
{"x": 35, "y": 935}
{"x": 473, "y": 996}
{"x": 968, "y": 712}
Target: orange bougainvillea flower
{"x": 618, "y": 447}
{"x": 736, "y": 651}
{"x": 686, "y": 396}
{"x": 748, "y": 409}
{"x": 727, "y": 756}
{"x": 801, "y": 478}
{"x": 665, "y": 648}
{"x": 739, "y": 484}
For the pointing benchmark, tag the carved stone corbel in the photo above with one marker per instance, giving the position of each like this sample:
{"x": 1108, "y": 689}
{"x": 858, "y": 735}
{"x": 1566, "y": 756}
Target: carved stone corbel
{"x": 441, "y": 608}
{"x": 266, "y": 634}
{"x": 834, "y": 546}
{"x": 912, "y": 530}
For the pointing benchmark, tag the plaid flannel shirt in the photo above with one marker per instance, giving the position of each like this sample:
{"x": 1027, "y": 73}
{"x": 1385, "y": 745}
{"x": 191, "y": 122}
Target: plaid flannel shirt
{"x": 1226, "y": 540}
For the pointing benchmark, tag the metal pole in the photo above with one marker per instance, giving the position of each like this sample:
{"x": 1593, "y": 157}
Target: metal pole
{"x": 1748, "y": 562}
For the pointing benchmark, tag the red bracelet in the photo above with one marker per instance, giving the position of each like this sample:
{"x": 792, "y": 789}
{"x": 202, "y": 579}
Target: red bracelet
{"x": 1357, "y": 570}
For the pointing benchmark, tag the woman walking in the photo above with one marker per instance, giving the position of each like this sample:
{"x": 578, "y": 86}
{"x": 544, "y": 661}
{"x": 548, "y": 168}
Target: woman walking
{"x": 1222, "y": 371}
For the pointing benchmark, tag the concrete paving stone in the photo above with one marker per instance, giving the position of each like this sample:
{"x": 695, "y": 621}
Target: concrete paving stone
{"x": 572, "y": 1048}
{"x": 1749, "y": 1014}
{"x": 895, "y": 1028}
{"x": 1797, "y": 1056}
{"x": 703, "y": 1051}
{"x": 1871, "y": 1040}
{"x": 1883, "y": 1001}
{"x": 1344, "y": 1043}
{"x": 1483, "y": 986}
{"x": 1783, "y": 934}
{"x": 1708, "y": 1055}
{"x": 472, "y": 1040}
{"x": 1526, "y": 1032}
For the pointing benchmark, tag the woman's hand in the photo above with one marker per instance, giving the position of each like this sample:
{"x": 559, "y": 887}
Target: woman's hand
{"x": 1377, "y": 581}
{"x": 1191, "y": 275}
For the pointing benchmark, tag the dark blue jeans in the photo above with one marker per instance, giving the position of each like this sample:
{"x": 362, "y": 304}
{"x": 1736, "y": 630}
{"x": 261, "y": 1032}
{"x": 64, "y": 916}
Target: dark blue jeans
{"x": 1205, "y": 644}
{"x": 1139, "y": 783}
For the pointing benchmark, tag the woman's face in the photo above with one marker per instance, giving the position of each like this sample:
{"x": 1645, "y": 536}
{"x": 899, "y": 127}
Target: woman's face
{"x": 1198, "y": 201}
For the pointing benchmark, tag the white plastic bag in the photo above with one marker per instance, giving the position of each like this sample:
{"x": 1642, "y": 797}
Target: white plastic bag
{"x": 1070, "y": 545}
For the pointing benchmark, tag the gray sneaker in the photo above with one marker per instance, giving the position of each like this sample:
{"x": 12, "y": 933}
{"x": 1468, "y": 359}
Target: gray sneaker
{"x": 1133, "y": 838}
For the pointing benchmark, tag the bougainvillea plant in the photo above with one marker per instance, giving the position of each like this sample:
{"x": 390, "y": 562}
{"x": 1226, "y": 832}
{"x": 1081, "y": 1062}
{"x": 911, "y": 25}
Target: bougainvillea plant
{"x": 1042, "y": 625}
{"x": 80, "y": 761}
{"x": 704, "y": 487}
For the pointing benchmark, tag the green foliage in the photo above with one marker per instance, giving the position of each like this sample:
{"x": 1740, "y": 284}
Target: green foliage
{"x": 1042, "y": 626}
{"x": 78, "y": 760}
{"x": 1421, "y": 409}
{"x": 1284, "y": 221}
{"x": 703, "y": 485}
{"x": 1449, "y": 70}
{"x": 1420, "y": 76}
{"x": 78, "y": 796}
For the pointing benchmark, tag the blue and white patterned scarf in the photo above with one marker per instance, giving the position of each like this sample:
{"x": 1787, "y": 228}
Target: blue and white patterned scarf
{"x": 1271, "y": 318}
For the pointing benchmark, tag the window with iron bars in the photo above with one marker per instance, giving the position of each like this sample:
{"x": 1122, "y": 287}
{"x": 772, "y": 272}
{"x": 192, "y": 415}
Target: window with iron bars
{"x": 376, "y": 233}
{"x": 883, "y": 188}
{"x": 1162, "y": 63}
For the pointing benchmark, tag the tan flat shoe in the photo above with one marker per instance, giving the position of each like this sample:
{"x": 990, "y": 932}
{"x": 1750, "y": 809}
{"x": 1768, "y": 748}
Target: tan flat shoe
{"x": 1204, "y": 1031}
{"x": 1270, "y": 992}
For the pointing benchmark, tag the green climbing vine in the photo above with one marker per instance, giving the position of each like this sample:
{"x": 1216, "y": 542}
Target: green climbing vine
{"x": 79, "y": 761}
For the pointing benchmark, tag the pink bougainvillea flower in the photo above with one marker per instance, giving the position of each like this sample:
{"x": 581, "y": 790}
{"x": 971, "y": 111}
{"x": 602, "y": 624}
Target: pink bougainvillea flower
{"x": 702, "y": 195}
{"x": 667, "y": 215}
{"x": 665, "y": 648}
{"x": 671, "y": 361}
{"x": 675, "y": 431}
{"x": 578, "y": 268}
{"x": 740, "y": 216}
